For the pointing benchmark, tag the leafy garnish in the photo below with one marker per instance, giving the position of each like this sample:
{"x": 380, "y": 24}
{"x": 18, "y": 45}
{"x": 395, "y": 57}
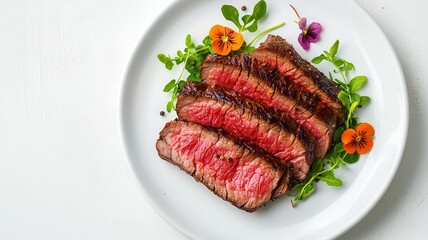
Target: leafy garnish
{"x": 348, "y": 96}
{"x": 192, "y": 57}
{"x": 248, "y": 22}
{"x": 323, "y": 168}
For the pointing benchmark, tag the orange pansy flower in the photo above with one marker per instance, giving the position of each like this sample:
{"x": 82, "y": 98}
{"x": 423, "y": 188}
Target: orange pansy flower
{"x": 360, "y": 139}
{"x": 225, "y": 40}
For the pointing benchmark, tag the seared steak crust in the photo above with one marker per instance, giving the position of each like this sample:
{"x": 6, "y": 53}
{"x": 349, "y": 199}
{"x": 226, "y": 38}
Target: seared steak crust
{"x": 241, "y": 174}
{"x": 249, "y": 121}
{"x": 279, "y": 53}
{"x": 264, "y": 84}
{"x": 254, "y": 125}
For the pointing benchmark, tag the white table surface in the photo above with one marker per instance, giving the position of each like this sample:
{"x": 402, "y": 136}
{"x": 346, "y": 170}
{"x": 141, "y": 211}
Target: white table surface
{"x": 63, "y": 172}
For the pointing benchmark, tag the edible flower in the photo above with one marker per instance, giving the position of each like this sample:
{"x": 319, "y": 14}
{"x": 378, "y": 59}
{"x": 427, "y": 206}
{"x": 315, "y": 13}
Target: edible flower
{"x": 310, "y": 34}
{"x": 225, "y": 40}
{"x": 359, "y": 140}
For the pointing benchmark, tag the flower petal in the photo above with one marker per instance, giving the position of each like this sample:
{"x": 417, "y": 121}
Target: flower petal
{"x": 216, "y": 32}
{"x": 350, "y": 148}
{"x": 365, "y": 145}
{"x": 234, "y": 38}
{"x": 304, "y": 42}
{"x": 221, "y": 47}
{"x": 302, "y": 23}
{"x": 348, "y": 136}
{"x": 315, "y": 28}
{"x": 366, "y": 129}
{"x": 313, "y": 33}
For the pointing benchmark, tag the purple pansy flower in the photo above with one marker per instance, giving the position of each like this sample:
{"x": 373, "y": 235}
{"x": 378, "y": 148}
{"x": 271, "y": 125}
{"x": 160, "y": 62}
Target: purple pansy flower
{"x": 310, "y": 34}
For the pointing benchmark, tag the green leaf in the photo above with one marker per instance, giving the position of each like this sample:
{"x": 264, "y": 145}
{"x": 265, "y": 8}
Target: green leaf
{"x": 163, "y": 58}
{"x": 166, "y": 60}
{"x": 318, "y": 59}
{"x": 334, "y": 48}
{"x": 179, "y": 60}
{"x": 330, "y": 179}
{"x": 354, "y": 122}
{"x": 338, "y": 62}
{"x": 253, "y": 27}
{"x": 180, "y": 53}
{"x": 343, "y": 97}
{"x": 250, "y": 49}
{"x": 327, "y": 55}
{"x": 330, "y": 75}
{"x": 348, "y": 66}
{"x": 353, "y": 106}
{"x": 181, "y": 84}
{"x": 296, "y": 189}
{"x": 351, "y": 158}
{"x": 357, "y": 83}
{"x": 338, "y": 134}
{"x": 169, "y": 86}
{"x": 307, "y": 191}
{"x": 356, "y": 97}
{"x": 207, "y": 41}
{"x": 317, "y": 166}
{"x": 169, "y": 106}
{"x": 338, "y": 148}
{"x": 169, "y": 65}
{"x": 246, "y": 19}
{"x": 259, "y": 10}
{"x": 193, "y": 78}
{"x": 231, "y": 13}
{"x": 364, "y": 100}
{"x": 188, "y": 41}
{"x": 174, "y": 93}
{"x": 334, "y": 161}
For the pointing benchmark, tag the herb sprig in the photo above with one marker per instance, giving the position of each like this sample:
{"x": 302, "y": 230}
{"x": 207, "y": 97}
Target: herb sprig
{"x": 193, "y": 54}
{"x": 348, "y": 96}
{"x": 248, "y": 22}
{"x": 323, "y": 168}
{"x": 192, "y": 57}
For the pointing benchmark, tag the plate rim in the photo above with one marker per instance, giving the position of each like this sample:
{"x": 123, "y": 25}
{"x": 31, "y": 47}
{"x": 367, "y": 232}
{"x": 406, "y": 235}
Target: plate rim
{"x": 339, "y": 231}
{"x": 400, "y": 151}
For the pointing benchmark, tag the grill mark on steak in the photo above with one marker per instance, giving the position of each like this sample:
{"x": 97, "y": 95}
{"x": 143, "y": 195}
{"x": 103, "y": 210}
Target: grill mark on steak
{"x": 266, "y": 85}
{"x": 277, "y": 52}
{"x": 249, "y": 121}
{"x": 247, "y": 177}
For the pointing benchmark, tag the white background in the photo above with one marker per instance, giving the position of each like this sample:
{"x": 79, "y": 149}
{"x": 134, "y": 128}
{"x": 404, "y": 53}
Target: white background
{"x": 63, "y": 171}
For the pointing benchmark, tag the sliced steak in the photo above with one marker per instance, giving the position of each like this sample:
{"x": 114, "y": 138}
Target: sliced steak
{"x": 267, "y": 86}
{"x": 238, "y": 174}
{"x": 276, "y": 52}
{"x": 249, "y": 121}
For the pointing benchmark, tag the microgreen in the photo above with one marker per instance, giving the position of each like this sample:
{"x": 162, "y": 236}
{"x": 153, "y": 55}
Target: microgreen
{"x": 248, "y": 22}
{"x": 191, "y": 57}
{"x": 348, "y": 96}
{"x": 323, "y": 168}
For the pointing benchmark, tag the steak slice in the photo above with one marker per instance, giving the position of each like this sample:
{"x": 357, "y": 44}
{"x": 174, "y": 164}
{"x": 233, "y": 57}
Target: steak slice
{"x": 243, "y": 176}
{"x": 276, "y": 52}
{"x": 248, "y": 121}
{"x": 265, "y": 85}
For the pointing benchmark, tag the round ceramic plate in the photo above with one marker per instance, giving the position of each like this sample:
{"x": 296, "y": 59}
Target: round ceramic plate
{"x": 193, "y": 209}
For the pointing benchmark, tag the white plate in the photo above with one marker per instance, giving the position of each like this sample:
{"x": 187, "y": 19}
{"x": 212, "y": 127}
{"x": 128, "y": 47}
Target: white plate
{"x": 193, "y": 209}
